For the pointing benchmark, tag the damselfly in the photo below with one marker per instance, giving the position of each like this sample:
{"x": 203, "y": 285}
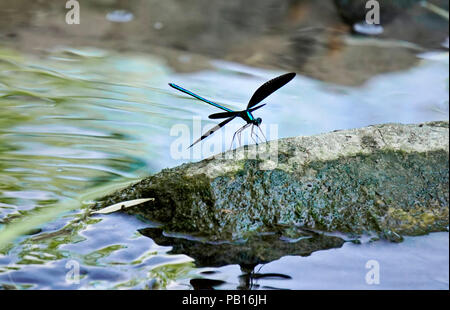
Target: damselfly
{"x": 247, "y": 115}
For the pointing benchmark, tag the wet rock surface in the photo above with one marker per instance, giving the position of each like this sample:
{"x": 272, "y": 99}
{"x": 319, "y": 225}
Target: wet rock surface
{"x": 390, "y": 179}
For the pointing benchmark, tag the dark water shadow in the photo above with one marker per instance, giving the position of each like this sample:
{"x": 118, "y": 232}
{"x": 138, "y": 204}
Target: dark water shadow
{"x": 258, "y": 249}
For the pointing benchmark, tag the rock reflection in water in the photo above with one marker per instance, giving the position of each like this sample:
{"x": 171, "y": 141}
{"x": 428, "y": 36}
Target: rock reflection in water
{"x": 258, "y": 249}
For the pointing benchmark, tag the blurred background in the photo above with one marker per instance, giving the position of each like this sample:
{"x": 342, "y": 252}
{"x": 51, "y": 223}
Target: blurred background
{"x": 305, "y": 36}
{"x": 87, "y": 106}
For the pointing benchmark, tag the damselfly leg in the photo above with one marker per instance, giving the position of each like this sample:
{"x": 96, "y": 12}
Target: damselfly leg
{"x": 256, "y": 134}
{"x": 253, "y": 133}
{"x": 238, "y": 134}
{"x": 262, "y": 134}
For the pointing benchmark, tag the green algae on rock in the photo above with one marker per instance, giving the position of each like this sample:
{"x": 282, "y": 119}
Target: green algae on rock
{"x": 390, "y": 179}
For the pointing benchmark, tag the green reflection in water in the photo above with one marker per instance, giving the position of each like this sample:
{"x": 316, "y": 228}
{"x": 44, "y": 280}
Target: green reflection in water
{"x": 70, "y": 123}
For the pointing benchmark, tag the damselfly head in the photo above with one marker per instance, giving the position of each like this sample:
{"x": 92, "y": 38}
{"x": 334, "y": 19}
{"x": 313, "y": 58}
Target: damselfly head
{"x": 257, "y": 121}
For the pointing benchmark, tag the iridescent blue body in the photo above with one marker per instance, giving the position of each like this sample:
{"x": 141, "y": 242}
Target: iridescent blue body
{"x": 199, "y": 97}
{"x": 249, "y": 118}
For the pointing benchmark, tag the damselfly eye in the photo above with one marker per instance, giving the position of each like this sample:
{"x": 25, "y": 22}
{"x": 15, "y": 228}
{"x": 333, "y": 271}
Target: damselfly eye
{"x": 258, "y": 121}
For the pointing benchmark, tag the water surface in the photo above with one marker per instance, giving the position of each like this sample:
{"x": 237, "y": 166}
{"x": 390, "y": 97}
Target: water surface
{"x": 76, "y": 119}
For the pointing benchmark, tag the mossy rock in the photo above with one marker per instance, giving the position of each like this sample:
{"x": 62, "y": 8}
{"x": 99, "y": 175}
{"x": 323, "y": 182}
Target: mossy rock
{"x": 390, "y": 179}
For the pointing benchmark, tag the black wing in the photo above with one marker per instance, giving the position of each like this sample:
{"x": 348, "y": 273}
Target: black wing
{"x": 213, "y": 130}
{"x": 256, "y": 108}
{"x": 229, "y": 114}
{"x": 269, "y": 87}
{"x": 223, "y": 115}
